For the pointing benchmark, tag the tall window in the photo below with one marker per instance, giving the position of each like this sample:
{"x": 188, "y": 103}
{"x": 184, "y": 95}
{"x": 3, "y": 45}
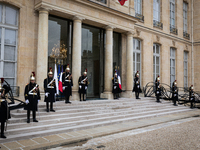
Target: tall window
{"x": 156, "y": 61}
{"x": 172, "y": 65}
{"x": 185, "y": 69}
{"x": 136, "y": 56}
{"x": 8, "y": 43}
{"x": 156, "y": 10}
{"x": 172, "y": 13}
{"x": 138, "y": 6}
{"x": 185, "y": 5}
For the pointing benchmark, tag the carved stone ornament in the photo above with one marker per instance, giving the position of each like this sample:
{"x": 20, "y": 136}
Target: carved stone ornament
{"x": 174, "y": 43}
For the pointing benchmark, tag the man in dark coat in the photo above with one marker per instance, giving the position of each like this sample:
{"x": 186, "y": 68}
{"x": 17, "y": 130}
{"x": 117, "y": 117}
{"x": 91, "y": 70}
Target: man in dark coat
{"x": 158, "y": 89}
{"x": 32, "y": 97}
{"x": 50, "y": 91}
{"x": 136, "y": 87}
{"x": 67, "y": 83}
{"x": 191, "y": 96}
{"x": 4, "y": 110}
{"x": 83, "y": 83}
{"x": 174, "y": 92}
{"x": 116, "y": 90}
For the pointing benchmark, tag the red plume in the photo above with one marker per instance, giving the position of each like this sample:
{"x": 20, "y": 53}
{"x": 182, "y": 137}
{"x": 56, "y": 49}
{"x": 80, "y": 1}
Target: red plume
{"x": 86, "y": 70}
{"x": 2, "y": 80}
{"x": 33, "y": 74}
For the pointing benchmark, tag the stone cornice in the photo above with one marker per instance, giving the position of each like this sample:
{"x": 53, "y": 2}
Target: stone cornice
{"x": 162, "y": 34}
{"x": 75, "y": 13}
{"x": 107, "y": 9}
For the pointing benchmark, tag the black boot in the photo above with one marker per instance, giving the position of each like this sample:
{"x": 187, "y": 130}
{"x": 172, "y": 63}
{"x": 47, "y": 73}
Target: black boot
{"x": 47, "y": 105}
{"x": 51, "y": 107}
{"x": 80, "y": 96}
{"x": 2, "y": 130}
{"x": 28, "y": 116}
{"x": 83, "y": 97}
{"x": 34, "y": 116}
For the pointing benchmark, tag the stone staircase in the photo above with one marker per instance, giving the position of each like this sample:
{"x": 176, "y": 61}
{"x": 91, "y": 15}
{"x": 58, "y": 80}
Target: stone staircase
{"x": 85, "y": 115}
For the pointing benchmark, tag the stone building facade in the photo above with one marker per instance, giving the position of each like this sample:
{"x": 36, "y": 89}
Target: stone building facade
{"x": 156, "y": 37}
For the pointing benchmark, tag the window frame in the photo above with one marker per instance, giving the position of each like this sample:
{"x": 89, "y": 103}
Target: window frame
{"x": 185, "y": 16}
{"x": 158, "y": 11}
{"x": 185, "y": 60}
{"x": 172, "y": 3}
{"x": 156, "y": 55}
{"x": 136, "y": 51}
{"x": 171, "y": 59}
{"x": 136, "y": 2}
{"x": 3, "y": 27}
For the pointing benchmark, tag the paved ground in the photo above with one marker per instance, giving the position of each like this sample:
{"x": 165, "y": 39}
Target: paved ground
{"x": 176, "y": 135}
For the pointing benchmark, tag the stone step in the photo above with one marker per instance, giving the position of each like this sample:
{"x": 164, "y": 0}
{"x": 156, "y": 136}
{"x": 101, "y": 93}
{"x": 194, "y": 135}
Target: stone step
{"x": 63, "y": 118}
{"x": 60, "y": 106}
{"x": 60, "y": 114}
{"x": 91, "y": 120}
{"x": 80, "y": 127}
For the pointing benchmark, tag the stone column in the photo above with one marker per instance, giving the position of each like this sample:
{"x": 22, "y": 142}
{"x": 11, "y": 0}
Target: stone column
{"x": 42, "y": 50}
{"x": 76, "y": 55}
{"x": 129, "y": 65}
{"x": 108, "y": 68}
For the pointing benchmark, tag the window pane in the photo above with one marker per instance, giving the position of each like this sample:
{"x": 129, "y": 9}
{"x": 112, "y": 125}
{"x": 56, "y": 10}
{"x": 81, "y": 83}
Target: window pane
{"x": 157, "y": 60}
{"x": 11, "y": 16}
{"x": 157, "y": 49}
{"x": 154, "y": 48}
{"x": 157, "y": 69}
{"x": 9, "y": 69}
{"x": 138, "y": 66}
{"x": 133, "y": 43}
{"x": 138, "y": 57}
{"x": 9, "y": 53}
{"x": 134, "y": 57}
{"x": 10, "y": 81}
{"x": 10, "y": 37}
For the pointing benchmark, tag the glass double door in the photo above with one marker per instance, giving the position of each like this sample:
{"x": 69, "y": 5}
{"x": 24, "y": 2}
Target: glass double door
{"x": 92, "y": 52}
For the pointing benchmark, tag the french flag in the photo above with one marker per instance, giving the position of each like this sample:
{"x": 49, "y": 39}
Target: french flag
{"x": 122, "y": 2}
{"x": 60, "y": 81}
{"x": 119, "y": 80}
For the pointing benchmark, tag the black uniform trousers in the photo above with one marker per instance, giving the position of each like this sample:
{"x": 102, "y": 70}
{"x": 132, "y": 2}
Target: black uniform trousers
{"x": 2, "y": 127}
{"x": 28, "y": 114}
{"x": 51, "y": 105}
{"x": 83, "y": 96}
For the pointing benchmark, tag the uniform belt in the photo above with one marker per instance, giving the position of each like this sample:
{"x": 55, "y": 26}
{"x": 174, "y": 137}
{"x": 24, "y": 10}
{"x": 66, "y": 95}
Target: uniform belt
{"x": 68, "y": 80}
{"x": 32, "y": 94}
{"x": 2, "y": 100}
{"x": 50, "y": 87}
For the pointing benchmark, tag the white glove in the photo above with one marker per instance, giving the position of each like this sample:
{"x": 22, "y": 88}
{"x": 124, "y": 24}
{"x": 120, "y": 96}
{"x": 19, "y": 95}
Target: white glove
{"x": 55, "y": 94}
{"x": 63, "y": 88}
{"x": 86, "y": 88}
{"x": 138, "y": 86}
{"x": 27, "y": 101}
{"x": 38, "y": 100}
{"x": 80, "y": 86}
{"x": 115, "y": 87}
{"x": 46, "y": 94}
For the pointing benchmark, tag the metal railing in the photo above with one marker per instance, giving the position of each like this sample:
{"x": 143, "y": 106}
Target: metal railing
{"x": 186, "y": 35}
{"x": 139, "y": 16}
{"x": 158, "y": 24}
{"x": 173, "y": 30}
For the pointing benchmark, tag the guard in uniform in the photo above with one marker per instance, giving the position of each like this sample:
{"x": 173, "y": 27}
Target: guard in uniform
{"x": 83, "y": 83}
{"x": 32, "y": 97}
{"x": 50, "y": 90}
{"x": 67, "y": 83}
{"x": 4, "y": 109}
{"x": 191, "y": 96}
{"x": 174, "y": 92}
{"x": 158, "y": 89}
{"x": 136, "y": 87}
{"x": 116, "y": 90}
